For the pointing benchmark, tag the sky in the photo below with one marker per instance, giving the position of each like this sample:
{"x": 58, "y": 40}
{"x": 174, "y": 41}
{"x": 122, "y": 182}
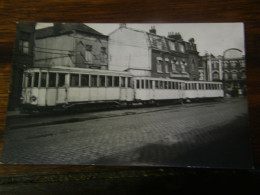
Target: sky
{"x": 212, "y": 38}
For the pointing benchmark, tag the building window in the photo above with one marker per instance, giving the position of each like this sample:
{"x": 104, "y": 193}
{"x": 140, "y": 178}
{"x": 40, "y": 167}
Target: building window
{"x": 201, "y": 76}
{"x": 215, "y": 65}
{"x": 193, "y": 64}
{"x": 159, "y": 65}
{"x": 242, "y": 64}
{"x": 234, "y": 76}
{"x": 243, "y": 75}
{"x": 226, "y": 76}
{"x": 183, "y": 68}
{"x": 172, "y": 45}
{"x": 174, "y": 66}
{"x": 88, "y": 54}
{"x": 103, "y": 54}
{"x": 24, "y": 46}
{"x": 167, "y": 65}
{"x": 225, "y": 64}
{"x": 215, "y": 76}
{"x": 233, "y": 64}
{"x": 159, "y": 44}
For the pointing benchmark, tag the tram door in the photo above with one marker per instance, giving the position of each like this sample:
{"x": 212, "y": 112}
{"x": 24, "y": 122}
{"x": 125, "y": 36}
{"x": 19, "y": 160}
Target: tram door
{"x": 181, "y": 90}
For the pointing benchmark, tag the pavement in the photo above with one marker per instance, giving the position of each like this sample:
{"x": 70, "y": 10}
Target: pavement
{"x": 177, "y": 135}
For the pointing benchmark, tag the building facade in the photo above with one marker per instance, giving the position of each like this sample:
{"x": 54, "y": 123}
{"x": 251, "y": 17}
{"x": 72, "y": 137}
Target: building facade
{"x": 23, "y": 57}
{"x": 71, "y": 45}
{"x": 229, "y": 69}
{"x": 148, "y": 54}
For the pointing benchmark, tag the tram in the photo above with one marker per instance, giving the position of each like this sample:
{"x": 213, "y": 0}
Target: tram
{"x": 62, "y": 87}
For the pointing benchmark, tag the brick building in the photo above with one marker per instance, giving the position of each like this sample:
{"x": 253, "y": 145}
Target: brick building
{"x": 148, "y": 54}
{"x": 23, "y": 56}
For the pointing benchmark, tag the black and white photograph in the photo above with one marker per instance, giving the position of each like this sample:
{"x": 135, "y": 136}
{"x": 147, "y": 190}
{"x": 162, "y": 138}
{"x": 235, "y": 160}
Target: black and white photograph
{"x": 130, "y": 94}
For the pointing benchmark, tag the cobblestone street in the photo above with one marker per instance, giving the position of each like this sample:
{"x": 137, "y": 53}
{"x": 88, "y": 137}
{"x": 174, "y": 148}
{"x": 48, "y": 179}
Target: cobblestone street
{"x": 209, "y": 134}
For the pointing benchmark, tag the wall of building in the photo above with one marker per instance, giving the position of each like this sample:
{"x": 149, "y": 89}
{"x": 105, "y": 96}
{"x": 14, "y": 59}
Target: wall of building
{"x": 91, "y": 51}
{"x": 54, "y": 51}
{"x": 167, "y": 58}
{"x": 72, "y": 50}
{"x": 22, "y": 59}
{"x": 128, "y": 49}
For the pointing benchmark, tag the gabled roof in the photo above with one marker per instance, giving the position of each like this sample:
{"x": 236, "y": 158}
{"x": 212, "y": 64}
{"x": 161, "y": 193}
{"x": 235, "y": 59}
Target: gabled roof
{"x": 59, "y": 29}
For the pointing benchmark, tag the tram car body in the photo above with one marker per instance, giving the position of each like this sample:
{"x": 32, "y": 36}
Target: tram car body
{"x": 64, "y": 87}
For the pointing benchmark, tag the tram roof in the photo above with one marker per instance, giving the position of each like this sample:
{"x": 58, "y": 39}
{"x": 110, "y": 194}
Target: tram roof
{"x": 78, "y": 70}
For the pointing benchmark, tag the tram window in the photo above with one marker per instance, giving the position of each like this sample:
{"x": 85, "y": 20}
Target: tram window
{"x": 161, "y": 85}
{"x": 61, "y": 80}
{"x": 173, "y": 85}
{"x": 142, "y": 84}
{"x": 43, "y": 79}
{"x": 36, "y": 79}
{"x": 116, "y": 82}
{"x": 102, "y": 81}
{"x": 169, "y": 85}
{"x": 147, "y": 84}
{"x": 166, "y": 85}
{"x": 129, "y": 80}
{"x": 85, "y": 80}
{"x": 137, "y": 84}
{"x": 122, "y": 82}
{"x": 109, "y": 81}
{"x": 156, "y": 84}
{"x": 93, "y": 80}
{"x": 29, "y": 81}
{"x": 52, "y": 79}
{"x": 74, "y": 80}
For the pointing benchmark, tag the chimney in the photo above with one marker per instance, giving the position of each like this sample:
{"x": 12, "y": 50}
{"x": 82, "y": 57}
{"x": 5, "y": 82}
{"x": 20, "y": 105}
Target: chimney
{"x": 192, "y": 40}
{"x": 152, "y": 30}
{"x": 176, "y": 36}
{"x": 122, "y": 25}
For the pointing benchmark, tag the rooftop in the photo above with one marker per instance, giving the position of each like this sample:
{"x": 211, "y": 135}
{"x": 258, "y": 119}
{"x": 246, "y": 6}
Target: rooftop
{"x": 60, "y": 28}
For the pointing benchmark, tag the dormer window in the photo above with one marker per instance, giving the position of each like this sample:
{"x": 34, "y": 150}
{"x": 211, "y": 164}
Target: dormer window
{"x": 181, "y": 46}
{"x": 172, "y": 46}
